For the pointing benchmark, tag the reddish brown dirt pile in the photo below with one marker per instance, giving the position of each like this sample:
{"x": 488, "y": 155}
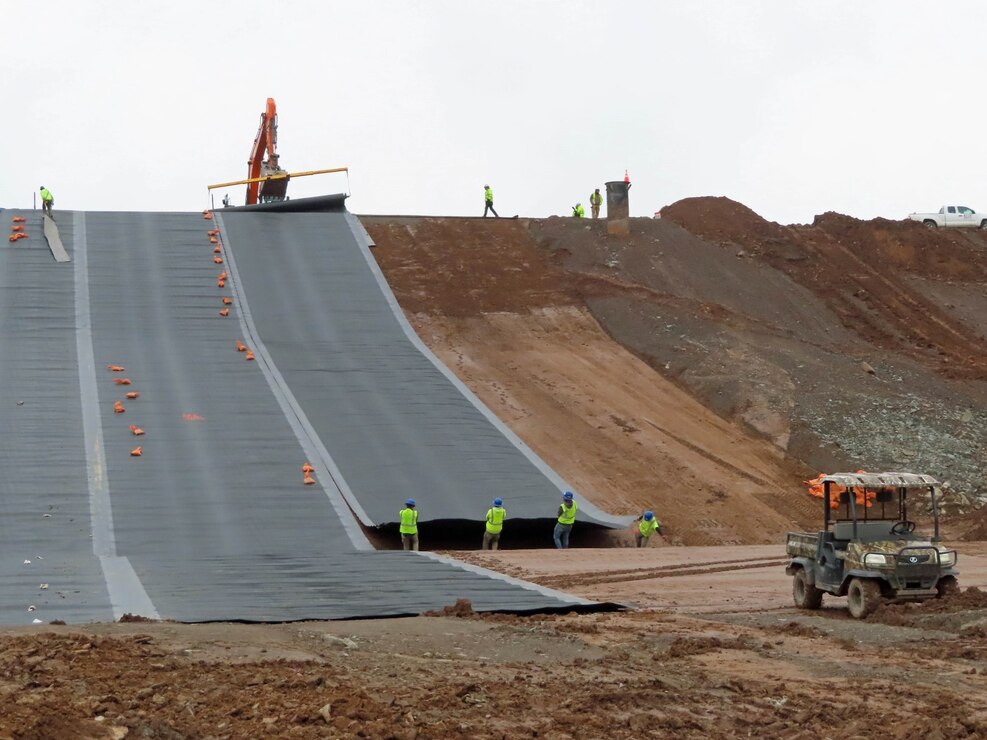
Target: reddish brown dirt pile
{"x": 851, "y": 264}
{"x": 616, "y": 676}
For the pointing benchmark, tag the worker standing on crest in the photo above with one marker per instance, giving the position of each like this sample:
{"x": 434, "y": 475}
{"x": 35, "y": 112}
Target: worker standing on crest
{"x": 567, "y": 517}
{"x": 595, "y": 201}
{"x": 47, "y": 201}
{"x": 578, "y": 211}
{"x": 409, "y": 525}
{"x": 488, "y": 202}
{"x": 647, "y": 526}
{"x": 495, "y": 523}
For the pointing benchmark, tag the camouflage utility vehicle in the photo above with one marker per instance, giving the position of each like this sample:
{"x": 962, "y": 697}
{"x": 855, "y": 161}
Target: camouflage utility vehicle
{"x": 868, "y": 549}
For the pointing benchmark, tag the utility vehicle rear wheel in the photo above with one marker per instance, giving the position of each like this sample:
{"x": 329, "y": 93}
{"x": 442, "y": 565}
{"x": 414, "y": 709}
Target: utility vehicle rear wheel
{"x": 930, "y": 223}
{"x": 947, "y": 586}
{"x": 806, "y": 595}
{"x": 863, "y": 597}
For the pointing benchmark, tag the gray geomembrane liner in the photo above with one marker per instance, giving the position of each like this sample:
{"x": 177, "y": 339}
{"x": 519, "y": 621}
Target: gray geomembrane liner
{"x": 212, "y": 522}
{"x": 397, "y": 422}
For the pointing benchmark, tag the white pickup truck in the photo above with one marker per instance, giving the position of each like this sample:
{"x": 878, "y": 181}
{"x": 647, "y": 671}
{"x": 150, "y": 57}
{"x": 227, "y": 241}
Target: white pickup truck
{"x": 952, "y": 216}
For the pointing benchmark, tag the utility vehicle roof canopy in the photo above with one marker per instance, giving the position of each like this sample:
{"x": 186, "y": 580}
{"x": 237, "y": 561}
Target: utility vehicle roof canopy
{"x": 880, "y": 480}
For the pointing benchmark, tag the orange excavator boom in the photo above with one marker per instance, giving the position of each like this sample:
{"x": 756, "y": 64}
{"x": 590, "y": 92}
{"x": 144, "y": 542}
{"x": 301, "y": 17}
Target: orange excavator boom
{"x": 266, "y": 142}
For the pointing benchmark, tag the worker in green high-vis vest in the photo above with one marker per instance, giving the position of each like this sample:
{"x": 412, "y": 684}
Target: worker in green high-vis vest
{"x": 409, "y": 525}
{"x": 567, "y": 517}
{"x": 488, "y": 201}
{"x": 496, "y": 515}
{"x": 47, "y": 201}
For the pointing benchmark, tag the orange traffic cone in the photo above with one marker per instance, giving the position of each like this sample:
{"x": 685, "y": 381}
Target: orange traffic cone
{"x": 222, "y": 275}
{"x": 306, "y": 468}
{"x": 217, "y": 260}
{"x": 213, "y": 240}
{"x": 116, "y": 368}
{"x": 227, "y": 301}
{"x": 133, "y": 394}
{"x": 224, "y": 312}
{"x": 212, "y": 232}
{"x": 216, "y": 249}
{"x": 118, "y": 407}
{"x": 136, "y": 452}
{"x": 137, "y": 431}
{"x": 220, "y": 283}
{"x": 240, "y": 346}
{"x": 627, "y": 178}
{"x": 250, "y": 355}
{"x": 122, "y": 381}
{"x": 308, "y": 480}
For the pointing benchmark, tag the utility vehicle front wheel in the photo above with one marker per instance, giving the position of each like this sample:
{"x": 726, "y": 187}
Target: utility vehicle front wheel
{"x": 863, "y": 597}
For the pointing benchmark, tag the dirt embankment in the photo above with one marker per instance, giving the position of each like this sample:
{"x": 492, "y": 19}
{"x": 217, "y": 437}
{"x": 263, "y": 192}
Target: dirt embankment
{"x": 514, "y": 324}
{"x": 844, "y": 344}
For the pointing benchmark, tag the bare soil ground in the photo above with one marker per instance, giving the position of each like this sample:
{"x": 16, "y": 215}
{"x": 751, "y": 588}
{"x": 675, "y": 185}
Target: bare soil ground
{"x": 715, "y": 651}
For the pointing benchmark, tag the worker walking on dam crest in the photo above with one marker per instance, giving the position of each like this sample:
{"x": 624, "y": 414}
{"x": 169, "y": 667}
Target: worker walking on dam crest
{"x": 567, "y": 517}
{"x": 578, "y": 211}
{"x": 595, "y": 201}
{"x": 47, "y": 201}
{"x": 409, "y": 525}
{"x": 647, "y": 526}
{"x": 488, "y": 202}
{"x": 496, "y": 515}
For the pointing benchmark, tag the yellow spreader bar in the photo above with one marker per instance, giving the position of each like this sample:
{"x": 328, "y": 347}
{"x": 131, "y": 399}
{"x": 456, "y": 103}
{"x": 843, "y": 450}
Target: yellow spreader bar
{"x": 281, "y": 176}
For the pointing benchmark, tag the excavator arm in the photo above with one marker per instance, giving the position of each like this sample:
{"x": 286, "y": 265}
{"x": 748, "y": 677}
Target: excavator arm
{"x": 266, "y": 142}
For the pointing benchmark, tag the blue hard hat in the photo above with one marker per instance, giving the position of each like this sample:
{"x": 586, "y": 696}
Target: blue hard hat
{"x": 649, "y": 515}
{"x": 567, "y": 495}
{"x": 410, "y": 502}
{"x": 498, "y": 502}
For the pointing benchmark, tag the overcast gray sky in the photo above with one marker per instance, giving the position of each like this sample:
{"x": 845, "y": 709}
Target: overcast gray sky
{"x": 793, "y": 108}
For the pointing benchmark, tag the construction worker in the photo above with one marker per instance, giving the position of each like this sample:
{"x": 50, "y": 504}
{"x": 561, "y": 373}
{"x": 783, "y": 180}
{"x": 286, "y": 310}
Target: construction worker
{"x": 409, "y": 525}
{"x": 578, "y": 211}
{"x": 595, "y": 201}
{"x": 567, "y": 517}
{"x": 47, "y": 201}
{"x": 488, "y": 202}
{"x": 496, "y": 515}
{"x": 647, "y": 526}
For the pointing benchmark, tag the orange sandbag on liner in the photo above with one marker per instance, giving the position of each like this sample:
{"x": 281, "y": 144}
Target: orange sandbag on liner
{"x": 136, "y": 430}
{"x": 116, "y": 368}
{"x": 250, "y": 355}
{"x": 240, "y": 346}
{"x": 118, "y": 407}
{"x": 122, "y": 381}
{"x": 133, "y": 394}
{"x": 224, "y": 312}
{"x": 137, "y": 452}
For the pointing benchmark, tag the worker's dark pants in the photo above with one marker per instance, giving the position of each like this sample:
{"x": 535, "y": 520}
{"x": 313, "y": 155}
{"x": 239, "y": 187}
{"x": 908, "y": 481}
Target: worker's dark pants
{"x": 46, "y": 207}
{"x": 489, "y": 207}
{"x": 410, "y": 541}
{"x": 561, "y": 536}
{"x": 596, "y": 210}
{"x": 640, "y": 540}
{"x": 491, "y": 540}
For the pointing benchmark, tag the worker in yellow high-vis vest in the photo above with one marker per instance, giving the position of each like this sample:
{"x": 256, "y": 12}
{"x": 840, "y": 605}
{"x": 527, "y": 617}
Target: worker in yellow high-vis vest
{"x": 496, "y": 515}
{"x": 409, "y": 525}
{"x": 47, "y": 201}
{"x": 647, "y": 525}
{"x": 595, "y": 201}
{"x": 488, "y": 201}
{"x": 567, "y": 517}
